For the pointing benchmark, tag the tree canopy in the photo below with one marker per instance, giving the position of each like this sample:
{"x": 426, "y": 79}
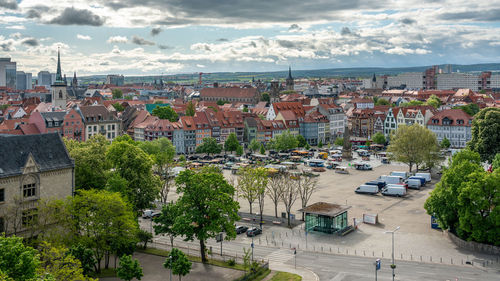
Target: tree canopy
{"x": 206, "y": 206}
{"x": 265, "y": 97}
{"x": 467, "y": 199}
{"x": 231, "y": 143}
{"x": 18, "y": 261}
{"x": 486, "y": 133}
{"x": 470, "y": 109}
{"x": 339, "y": 141}
{"x": 414, "y": 145}
{"x": 254, "y": 145}
{"x": 412, "y": 103}
{"x": 190, "y": 110}
{"x": 165, "y": 112}
{"x": 117, "y": 93}
{"x": 178, "y": 263}
{"x": 445, "y": 143}
{"x": 433, "y": 101}
{"x": 301, "y": 141}
{"x": 379, "y": 138}
{"x": 118, "y": 106}
{"x": 284, "y": 141}
{"x": 209, "y": 146}
{"x": 129, "y": 268}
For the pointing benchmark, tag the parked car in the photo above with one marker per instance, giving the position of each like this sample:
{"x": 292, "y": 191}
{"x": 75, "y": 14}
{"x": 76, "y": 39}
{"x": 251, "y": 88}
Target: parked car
{"x": 362, "y": 166}
{"x": 385, "y": 160}
{"x": 379, "y": 183}
{"x": 254, "y": 231}
{"x": 367, "y": 189}
{"x": 148, "y": 214}
{"x": 394, "y": 190}
{"x": 241, "y": 229}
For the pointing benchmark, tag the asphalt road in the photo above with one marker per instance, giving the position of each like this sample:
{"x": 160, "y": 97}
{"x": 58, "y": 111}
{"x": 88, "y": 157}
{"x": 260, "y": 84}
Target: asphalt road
{"x": 331, "y": 267}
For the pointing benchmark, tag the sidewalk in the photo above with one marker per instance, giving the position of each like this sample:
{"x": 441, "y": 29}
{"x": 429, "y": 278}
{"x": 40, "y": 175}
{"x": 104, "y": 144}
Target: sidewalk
{"x": 307, "y": 275}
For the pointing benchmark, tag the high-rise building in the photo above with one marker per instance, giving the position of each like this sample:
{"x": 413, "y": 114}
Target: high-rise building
{"x": 458, "y": 81}
{"x": 114, "y": 79}
{"x": 44, "y": 79}
{"x": 7, "y": 73}
{"x": 410, "y": 80}
{"x": 447, "y": 68}
{"x": 29, "y": 81}
{"x": 20, "y": 80}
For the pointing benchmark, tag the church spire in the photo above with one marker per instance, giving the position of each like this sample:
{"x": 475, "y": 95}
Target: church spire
{"x": 59, "y": 77}
{"x": 290, "y": 72}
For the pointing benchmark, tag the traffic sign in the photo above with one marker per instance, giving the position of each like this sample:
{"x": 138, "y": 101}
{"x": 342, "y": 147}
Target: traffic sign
{"x": 251, "y": 245}
{"x": 377, "y": 264}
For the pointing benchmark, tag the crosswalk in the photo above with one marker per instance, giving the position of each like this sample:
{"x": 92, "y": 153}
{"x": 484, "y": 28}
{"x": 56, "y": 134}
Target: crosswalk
{"x": 280, "y": 256}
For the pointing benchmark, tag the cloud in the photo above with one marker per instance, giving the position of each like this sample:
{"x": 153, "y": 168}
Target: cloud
{"x": 200, "y": 65}
{"x": 294, "y": 27}
{"x": 117, "y": 39}
{"x": 155, "y": 31}
{"x": 36, "y": 11}
{"x": 32, "y": 42}
{"x": 83, "y": 37}
{"x": 18, "y": 27}
{"x": 164, "y": 47}
{"x": 492, "y": 15}
{"x": 8, "y": 4}
{"x": 407, "y": 21}
{"x": 222, "y": 40}
{"x": 141, "y": 41}
{"x": 73, "y": 16}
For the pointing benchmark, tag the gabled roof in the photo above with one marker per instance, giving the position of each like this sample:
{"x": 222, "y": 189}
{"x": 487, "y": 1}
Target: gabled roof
{"x": 296, "y": 107}
{"x": 453, "y": 115}
{"x": 229, "y": 92}
{"x": 48, "y": 151}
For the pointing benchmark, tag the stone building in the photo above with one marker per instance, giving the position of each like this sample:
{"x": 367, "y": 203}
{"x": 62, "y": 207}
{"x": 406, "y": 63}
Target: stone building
{"x": 33, "y": 167}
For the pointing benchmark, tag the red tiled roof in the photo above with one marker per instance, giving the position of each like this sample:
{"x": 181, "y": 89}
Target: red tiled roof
{"x": 229, "y": 92}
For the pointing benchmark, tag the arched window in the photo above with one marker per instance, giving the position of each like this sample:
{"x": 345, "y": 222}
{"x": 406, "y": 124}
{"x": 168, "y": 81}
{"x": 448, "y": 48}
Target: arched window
{"x": 30, "y": 187}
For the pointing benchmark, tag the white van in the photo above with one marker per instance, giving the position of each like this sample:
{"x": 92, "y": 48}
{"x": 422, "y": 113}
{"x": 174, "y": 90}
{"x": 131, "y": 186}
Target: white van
{"x": 404, "y": 175}
{"x": 427, "y": 176}
{"x": 368, "y": 189}
{"x": 414, "y": 183}
{"x": 392, "y": 179}
{"x": 394, "y": 190}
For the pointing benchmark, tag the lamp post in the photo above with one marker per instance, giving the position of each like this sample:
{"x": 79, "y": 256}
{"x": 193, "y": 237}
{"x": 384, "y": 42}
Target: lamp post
{"x": 393, "y": 266}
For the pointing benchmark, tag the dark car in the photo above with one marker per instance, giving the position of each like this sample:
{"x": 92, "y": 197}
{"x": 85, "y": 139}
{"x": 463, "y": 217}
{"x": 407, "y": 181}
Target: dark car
{"x": 241, "y": 229}
{"x": 254, "y": 231}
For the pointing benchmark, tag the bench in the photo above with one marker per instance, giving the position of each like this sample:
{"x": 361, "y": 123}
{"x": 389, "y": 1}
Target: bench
{"x": 247, "y": 219}
{"x": 276, "y": 222}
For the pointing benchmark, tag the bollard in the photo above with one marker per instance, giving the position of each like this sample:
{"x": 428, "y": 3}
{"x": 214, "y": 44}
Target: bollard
{"x": 354, "y": 252}
{"x": 259, "y": 241}
{"x": 420, "y": 258}
{"x": 462, "y": 261}
{"x": 322, "y": 249}
{"x": 281, "y": 243}
{"x": 338, "y": 250}
{"x": 451, "y": 260}
{"x": 430, "y": 258}
{"x": 314, "y": 248}
{"x": 330, "y": 249}
{"x": 347, "y": 251}
{"x": 441, "y": 260}
{"x": 364, "y": 253}
{"x": 286, "y": 234}
{"x": 373, "y": 253}
{"x": 382, "y": 254}
{"x": 401, "y": 256}
{"x": 411, "y": 256}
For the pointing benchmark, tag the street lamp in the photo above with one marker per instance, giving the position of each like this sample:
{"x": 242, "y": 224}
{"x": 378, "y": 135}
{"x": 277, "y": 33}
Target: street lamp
{"x": 393, "y": 266}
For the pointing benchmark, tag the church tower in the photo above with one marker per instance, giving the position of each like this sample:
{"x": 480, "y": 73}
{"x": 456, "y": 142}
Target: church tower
{"x": 58, "y": 88}
{"x": 74, "y": 82}
{"x": 289, "y": 80}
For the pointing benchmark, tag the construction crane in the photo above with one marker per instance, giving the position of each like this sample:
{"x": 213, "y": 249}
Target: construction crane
{"x": 200, "y": 77}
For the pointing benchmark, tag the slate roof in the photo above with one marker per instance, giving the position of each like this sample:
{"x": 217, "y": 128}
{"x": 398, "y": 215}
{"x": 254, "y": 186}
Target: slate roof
{"x": 48, "y": 151}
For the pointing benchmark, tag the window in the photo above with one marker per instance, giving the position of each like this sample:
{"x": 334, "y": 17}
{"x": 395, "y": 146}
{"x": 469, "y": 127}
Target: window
{"x": 29, "y": 217}
{"x": 2, "y": 225}
{"x": 2, "y": 196}
{"x": 29, "y": 190}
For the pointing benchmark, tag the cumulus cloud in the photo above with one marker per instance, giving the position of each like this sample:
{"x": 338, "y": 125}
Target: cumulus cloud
{"x": 8, "y": 4}
{"x": 141, "y": 41}
{"x": 407, "y": 21}
{"x": 73, "y": 16}
{"x": 19, "y": 27}
{"x": 155, "y": 31}
{"x": 117, "y": 39}
{"x": 32, "y": 42}
{"x": 294, "y": 27}
{"x": 164, "y": 47}
{"x": 83, "y": 37}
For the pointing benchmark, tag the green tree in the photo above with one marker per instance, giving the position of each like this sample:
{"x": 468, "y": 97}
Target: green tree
{"x": 129, "y": 268}
{"x": 135, "y": 166}
{"x": 166, "y": 220}
{"x": 91, "y": 164}
{"x": 288, "y": 92}
{"x": 254, "y": 145}
{"x": 144, "y": 237}
{"x": 470, "y": 109}
{"x": 262, "y": 149}
{"x": 339, "y": 141}
{"x": 306, "y": 187}
{"x": 59, "y": 263}
{"x": 485, "y": 133}
{"x": 496, "y": 162}
{"x": 382, "y": 102}
{"x": 18, "y": 261}
{"x": 162, "y": 153}
{"x": 433, "y": 101}
{"x": 165, "y": 112}
{"x": 222, "y": 102}
{"x": 206, "y": 206}
{"x": 265, "y": 97}
{"x": 284, "y": 141}
{"x": 378, "y": 138}
{"x": 302, "y": 141}
{"x": 118, "y": 106}
{"x": 320, "y": 144}
{"x": 445, "y": 143}
{"x": 414, "y": 145}
{"x": 307, "y": 147}
{"x": 209, "y": 146}
{"x": 412, "y": 103}
{"x": 129, "y": 97}
{"x": 190, "y": 110}
{"x": 97, "y": 219}
{"x": 251, "y": 183}
{"x": 178, "y": 263}
{"x": 85, "y": 256}
{"x": 117, "y": 93}
{"x": 231, "y": 143}
{"x": 239, "y": 150}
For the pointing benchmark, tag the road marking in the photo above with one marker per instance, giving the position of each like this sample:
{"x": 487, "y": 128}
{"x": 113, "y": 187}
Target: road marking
{"x": 339, "y": 277}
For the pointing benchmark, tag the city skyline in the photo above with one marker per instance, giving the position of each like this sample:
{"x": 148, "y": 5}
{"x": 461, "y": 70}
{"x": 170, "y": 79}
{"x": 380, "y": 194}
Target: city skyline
{"x": 153, "y": 37}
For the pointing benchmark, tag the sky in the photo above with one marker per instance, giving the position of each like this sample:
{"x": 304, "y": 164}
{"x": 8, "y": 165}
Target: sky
{"x": 151, "y": 37}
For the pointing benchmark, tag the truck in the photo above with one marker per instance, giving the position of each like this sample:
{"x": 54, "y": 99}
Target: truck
{"x": 367, "y": 189}
{"x": 414, "y": 183}
{"x": 427, "y": 176}
{"x": 404, "y": 175}
{"x": 394, "y": 190}
{"x": 422, "y": 180}
{"x": 379, "y": 183}
{"x": 391, "y": 179}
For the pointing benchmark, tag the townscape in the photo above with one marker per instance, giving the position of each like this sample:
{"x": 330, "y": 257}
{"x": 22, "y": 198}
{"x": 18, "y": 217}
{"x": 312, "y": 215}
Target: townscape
{"x": 353, "y": 174}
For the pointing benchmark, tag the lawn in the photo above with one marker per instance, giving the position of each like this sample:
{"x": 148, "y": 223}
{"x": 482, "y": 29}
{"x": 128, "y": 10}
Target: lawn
{"x": 285, "y": 276}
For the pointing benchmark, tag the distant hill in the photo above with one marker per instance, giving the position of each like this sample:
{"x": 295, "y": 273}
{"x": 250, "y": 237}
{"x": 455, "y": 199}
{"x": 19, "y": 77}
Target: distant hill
{"x": 358, "y": 72}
